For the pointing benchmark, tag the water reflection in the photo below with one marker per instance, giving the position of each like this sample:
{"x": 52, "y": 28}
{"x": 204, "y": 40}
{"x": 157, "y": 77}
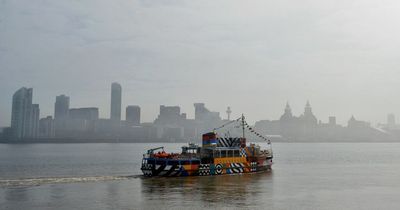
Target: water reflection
{"x": 16, "y": 194}
{"x": 235, "y": 190}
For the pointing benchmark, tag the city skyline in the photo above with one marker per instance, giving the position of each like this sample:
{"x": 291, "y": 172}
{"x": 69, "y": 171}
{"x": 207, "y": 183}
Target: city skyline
{"x": 172, "y": 124}
{"x": 149, "y": 112}
{"x": 62, "y": 105}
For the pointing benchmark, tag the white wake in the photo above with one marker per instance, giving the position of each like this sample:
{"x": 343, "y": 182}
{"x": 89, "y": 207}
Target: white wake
{"x": 59, "y": 180}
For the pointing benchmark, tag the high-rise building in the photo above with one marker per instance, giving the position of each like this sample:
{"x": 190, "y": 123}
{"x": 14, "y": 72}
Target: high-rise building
{"x": 201, "y": 113}
{"x": 87, "y": 113}
{"x": 46, "y": 127}
{"x": 79, "y": 120}
{"x": 133, "y": 115}
{"x": 115, "y": 113}
{"x": 61, "y": 115}
{"x": 170, "y": 115}
{"x": 21, "y": 115}
{"x": 35, "y": 120}
{"x": 61, "y": 107}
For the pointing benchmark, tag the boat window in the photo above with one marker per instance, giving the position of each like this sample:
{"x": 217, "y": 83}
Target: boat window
{"x": 224, "y": 153}
{"x": 215, "y": 154}
{"x": 237, "y": 153}
{"x": 184, "y": 150}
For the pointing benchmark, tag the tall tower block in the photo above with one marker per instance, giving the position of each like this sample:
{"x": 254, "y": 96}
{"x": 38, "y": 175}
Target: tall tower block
{"x": 116, "y": 91}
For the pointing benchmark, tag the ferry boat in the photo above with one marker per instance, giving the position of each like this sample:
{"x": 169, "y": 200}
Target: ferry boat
{"x": 217, "y": 156}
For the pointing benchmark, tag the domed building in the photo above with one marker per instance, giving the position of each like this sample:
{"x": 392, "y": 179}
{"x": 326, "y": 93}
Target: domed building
{"x": 308, "y": 117}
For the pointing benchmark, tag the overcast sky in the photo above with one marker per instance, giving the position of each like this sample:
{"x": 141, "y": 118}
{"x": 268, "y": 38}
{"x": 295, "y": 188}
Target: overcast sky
{"x": 343, "y": 56}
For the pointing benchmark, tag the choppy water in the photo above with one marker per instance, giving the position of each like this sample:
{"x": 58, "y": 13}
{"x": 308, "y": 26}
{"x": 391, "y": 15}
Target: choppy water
{"x": 105, "y": 176}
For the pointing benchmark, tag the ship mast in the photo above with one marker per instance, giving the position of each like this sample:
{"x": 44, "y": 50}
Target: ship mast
{"x": 243, "y": 124}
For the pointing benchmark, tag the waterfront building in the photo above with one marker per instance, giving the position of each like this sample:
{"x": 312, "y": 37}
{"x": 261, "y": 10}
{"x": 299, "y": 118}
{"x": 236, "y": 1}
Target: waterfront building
{"x": 61, "y": 115}
{"x": 287, "y": 115}
{"x": 35, "y": 115}
{"x": 7, "y": 134}
{"x": 46, "y": 127}
{"x": 132, "y": 115}
{"x": 21, "y": 115}
{"x": 80, "y": 123}
{"x": 116, "y": 91}
{"x": 308, "y": 116}
{"x": 357, "y": 124}
{"x": 201, "y": 113}
{"x": 87, "y": 113}
{"x": 290, "y": 127}
{"x": 61, "y": 107}
{"x": 170, "y": 115}
{"x": 170, "y": 123}
{"x": 205, "y": 120}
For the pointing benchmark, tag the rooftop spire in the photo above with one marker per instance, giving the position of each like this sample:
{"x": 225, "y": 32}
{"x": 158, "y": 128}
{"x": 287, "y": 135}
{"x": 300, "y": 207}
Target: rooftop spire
{"x": 308, "y": 104}
{"x": 308, "y": 109}
{"x": 287, "y": 108}
{"x": 288, "y": 112}
{"x": 287, "y": 105}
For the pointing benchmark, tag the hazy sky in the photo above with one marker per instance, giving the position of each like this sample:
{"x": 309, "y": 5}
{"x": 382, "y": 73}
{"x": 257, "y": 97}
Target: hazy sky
{"x": 251, "y": 55}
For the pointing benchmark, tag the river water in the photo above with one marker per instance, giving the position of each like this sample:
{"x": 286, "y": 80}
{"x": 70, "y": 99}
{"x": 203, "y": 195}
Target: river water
{"x": 107, "y": 176}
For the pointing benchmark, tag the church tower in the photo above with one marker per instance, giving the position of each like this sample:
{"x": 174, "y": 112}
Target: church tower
{"x": 308, "y": 116}
{"x": 308, "y": 109}
{"x": 288, "y": 110}
{"x": 287, "y": 116}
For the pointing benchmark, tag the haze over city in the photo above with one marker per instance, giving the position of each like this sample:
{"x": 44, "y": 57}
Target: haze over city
{"x": 254, "y": 57}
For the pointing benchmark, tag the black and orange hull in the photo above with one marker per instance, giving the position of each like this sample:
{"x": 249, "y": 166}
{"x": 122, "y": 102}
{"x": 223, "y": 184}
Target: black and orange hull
{"x": 194, "y": 167}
